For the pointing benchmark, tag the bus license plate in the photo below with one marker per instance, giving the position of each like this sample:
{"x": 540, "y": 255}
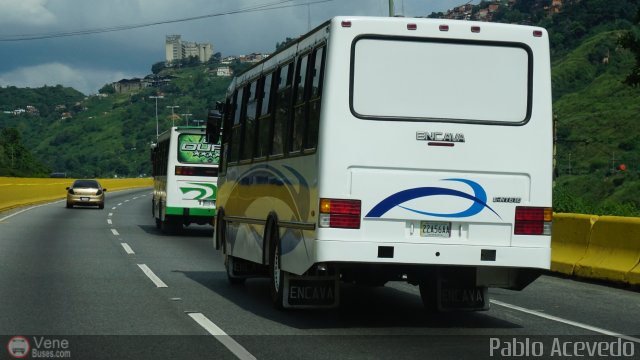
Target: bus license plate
{"x": 208, "y": 203}
{"x": 435, "y": 229}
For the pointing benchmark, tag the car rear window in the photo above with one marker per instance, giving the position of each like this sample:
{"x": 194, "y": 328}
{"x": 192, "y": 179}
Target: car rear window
{"x": 85, "y": 184}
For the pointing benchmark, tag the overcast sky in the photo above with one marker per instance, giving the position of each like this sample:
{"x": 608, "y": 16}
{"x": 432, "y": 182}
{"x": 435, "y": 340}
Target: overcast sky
{"x": 87, "y": 62}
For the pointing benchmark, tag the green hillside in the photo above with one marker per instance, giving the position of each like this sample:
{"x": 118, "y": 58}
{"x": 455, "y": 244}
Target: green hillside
{"x": 597, "y": 129}
{"x": 106, "y": 136}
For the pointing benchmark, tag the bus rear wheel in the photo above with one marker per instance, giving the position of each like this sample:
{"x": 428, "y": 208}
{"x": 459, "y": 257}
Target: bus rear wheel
{"x": 228, "y": 264}
{"x": 277, "y": 274}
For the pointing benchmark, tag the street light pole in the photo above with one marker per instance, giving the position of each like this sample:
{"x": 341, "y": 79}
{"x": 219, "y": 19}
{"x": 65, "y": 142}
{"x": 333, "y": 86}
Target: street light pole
{"x": 157, "y": 126}
{"x": 172, "y": 114}
{"x": 187, "y": 117}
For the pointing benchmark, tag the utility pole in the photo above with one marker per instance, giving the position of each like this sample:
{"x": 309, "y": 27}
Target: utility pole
{"x": 157, "y": 126}
{"x": 613, "y": 162}
{"x": 187, "y": 117}
{"x": 391, "y": 9}
{"x": 172, "y": 114}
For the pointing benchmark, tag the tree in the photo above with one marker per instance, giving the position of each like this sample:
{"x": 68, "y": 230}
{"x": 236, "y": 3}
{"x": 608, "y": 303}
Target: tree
{"x": 107, "y": 89}
{"x": 631, "y": 41}
{"x": 157, "y": 67}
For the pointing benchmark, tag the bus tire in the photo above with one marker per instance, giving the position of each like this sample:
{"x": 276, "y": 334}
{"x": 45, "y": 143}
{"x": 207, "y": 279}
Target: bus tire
{"x": 228, "y": 264}
{"x": 171, "y": 225}
{"x": 220, "y": 229}
{"x": 277, "y": 274}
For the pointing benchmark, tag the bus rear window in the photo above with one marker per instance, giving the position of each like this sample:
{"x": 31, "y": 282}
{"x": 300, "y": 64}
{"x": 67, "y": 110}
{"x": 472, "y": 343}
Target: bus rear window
{"x": 193, "y": 149}
{"x": 432, "y": 79}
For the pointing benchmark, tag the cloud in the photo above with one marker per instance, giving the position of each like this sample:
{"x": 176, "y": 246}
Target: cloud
{"x": 26, "y": 12}
{"x": 87, "y": 81}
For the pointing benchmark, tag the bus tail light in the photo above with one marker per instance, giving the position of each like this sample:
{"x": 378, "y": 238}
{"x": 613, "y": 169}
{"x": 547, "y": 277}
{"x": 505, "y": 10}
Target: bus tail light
{"x": 533, "y": 220}
{"x": 340, "y": 213}
{"x": 185, "y": 170}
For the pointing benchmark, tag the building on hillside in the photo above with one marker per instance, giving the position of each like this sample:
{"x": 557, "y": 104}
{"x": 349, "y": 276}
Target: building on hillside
{"x": 224, "y": 71}
{"x": 253, "y": 58}
{"x": 176, "y": 49}
{"x": 128, "y": 85}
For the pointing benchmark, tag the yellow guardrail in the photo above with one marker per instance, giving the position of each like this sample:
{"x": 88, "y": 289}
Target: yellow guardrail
{"x": 597, "y": 247}
{"x": 15, "y": 192}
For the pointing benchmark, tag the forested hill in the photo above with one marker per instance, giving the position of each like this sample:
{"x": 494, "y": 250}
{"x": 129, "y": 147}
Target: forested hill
{"x": 107, "y": 134}
{"x": 598, "y": 138}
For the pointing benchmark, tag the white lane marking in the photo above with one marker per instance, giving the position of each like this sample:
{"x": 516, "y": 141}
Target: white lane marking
{"x": 110, "y": 214}
{"x": 226, "y": 340}
{"x": 135, "y": 197}
{"x": 568, "y": 322}
{"x": 27, "y": 209}
{"x": 115, "y": 232}
{"x": 127, "y": 248}
{"x": 120, "y": 204}
{"x": 156, "y": 280}
{"x": 126, "y": 200}
{"x": 113, "y": 208}
{"x": 109, "y": 221}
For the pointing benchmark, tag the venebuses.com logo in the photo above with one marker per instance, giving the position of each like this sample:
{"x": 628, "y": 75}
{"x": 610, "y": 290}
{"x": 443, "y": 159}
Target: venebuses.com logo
{"x": 20, "y": 347}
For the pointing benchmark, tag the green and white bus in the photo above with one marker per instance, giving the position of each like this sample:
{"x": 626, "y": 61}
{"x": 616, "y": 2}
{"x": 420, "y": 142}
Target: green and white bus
{"x": 185, "y": 171}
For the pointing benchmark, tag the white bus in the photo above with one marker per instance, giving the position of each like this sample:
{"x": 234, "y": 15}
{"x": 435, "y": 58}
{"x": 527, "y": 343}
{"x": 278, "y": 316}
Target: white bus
{"x": 379, "y": 149}
{"x": 185, "y": 170}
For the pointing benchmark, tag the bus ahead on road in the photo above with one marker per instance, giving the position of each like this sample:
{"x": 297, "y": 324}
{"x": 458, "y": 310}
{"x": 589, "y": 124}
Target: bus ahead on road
{"x": 381, "y": 149}
{"x": 185, "y": 170}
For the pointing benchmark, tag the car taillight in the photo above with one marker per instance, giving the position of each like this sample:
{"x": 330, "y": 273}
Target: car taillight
{"x": 533, "y": 220}
{"x": 340, "y": 213}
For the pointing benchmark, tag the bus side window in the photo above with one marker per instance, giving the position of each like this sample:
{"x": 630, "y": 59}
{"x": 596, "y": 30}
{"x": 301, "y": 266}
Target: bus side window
{"x": 315, "y": 97}
{"x": 264, "y": 122}
{"x": 281, "y": 110}
{"x": 226, "y": 134}
{"x": 236, "y": 130}
{"x": 299, "y": 111}
{"x": 250, "y": 121}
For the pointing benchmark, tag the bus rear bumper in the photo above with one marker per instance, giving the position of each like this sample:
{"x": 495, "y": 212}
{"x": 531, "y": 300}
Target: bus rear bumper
{"x": 432, "y": 254}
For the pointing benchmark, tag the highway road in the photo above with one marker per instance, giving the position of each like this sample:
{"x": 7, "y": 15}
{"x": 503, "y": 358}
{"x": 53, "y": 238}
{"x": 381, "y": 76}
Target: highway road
{"x": 107, "y": 284}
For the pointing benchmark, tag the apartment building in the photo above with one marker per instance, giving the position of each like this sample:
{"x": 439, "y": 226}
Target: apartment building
{"x": 176, "y": 49}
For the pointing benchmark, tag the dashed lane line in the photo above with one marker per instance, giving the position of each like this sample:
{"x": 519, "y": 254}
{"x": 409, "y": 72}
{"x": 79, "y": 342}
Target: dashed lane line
{"x": 115, "y": 232}
{"x": 156, "y": 280}
{"x": 238, "y": 350}
{"x": 127, "y": 248}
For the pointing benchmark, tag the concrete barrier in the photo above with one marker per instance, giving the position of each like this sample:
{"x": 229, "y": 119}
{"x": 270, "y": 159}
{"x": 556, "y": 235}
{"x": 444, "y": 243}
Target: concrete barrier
{"x": 16, "y": 192}
{"x": 633, "y": 277}
{"x": 569, "y": 240}
{"x": 613, "y": 251}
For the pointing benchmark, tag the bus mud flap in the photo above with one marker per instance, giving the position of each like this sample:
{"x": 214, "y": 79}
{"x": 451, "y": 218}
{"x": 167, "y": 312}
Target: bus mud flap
{"x": 457, "y": 291}
{"x": 305, "y": 292}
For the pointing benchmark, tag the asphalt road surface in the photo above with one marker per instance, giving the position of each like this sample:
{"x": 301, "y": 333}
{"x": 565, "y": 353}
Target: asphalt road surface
{"x": 91, "y": 284}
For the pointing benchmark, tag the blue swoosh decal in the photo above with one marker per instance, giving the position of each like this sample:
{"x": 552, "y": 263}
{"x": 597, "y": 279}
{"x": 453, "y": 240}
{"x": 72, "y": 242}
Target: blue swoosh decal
{"x": 479, "y": 199}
